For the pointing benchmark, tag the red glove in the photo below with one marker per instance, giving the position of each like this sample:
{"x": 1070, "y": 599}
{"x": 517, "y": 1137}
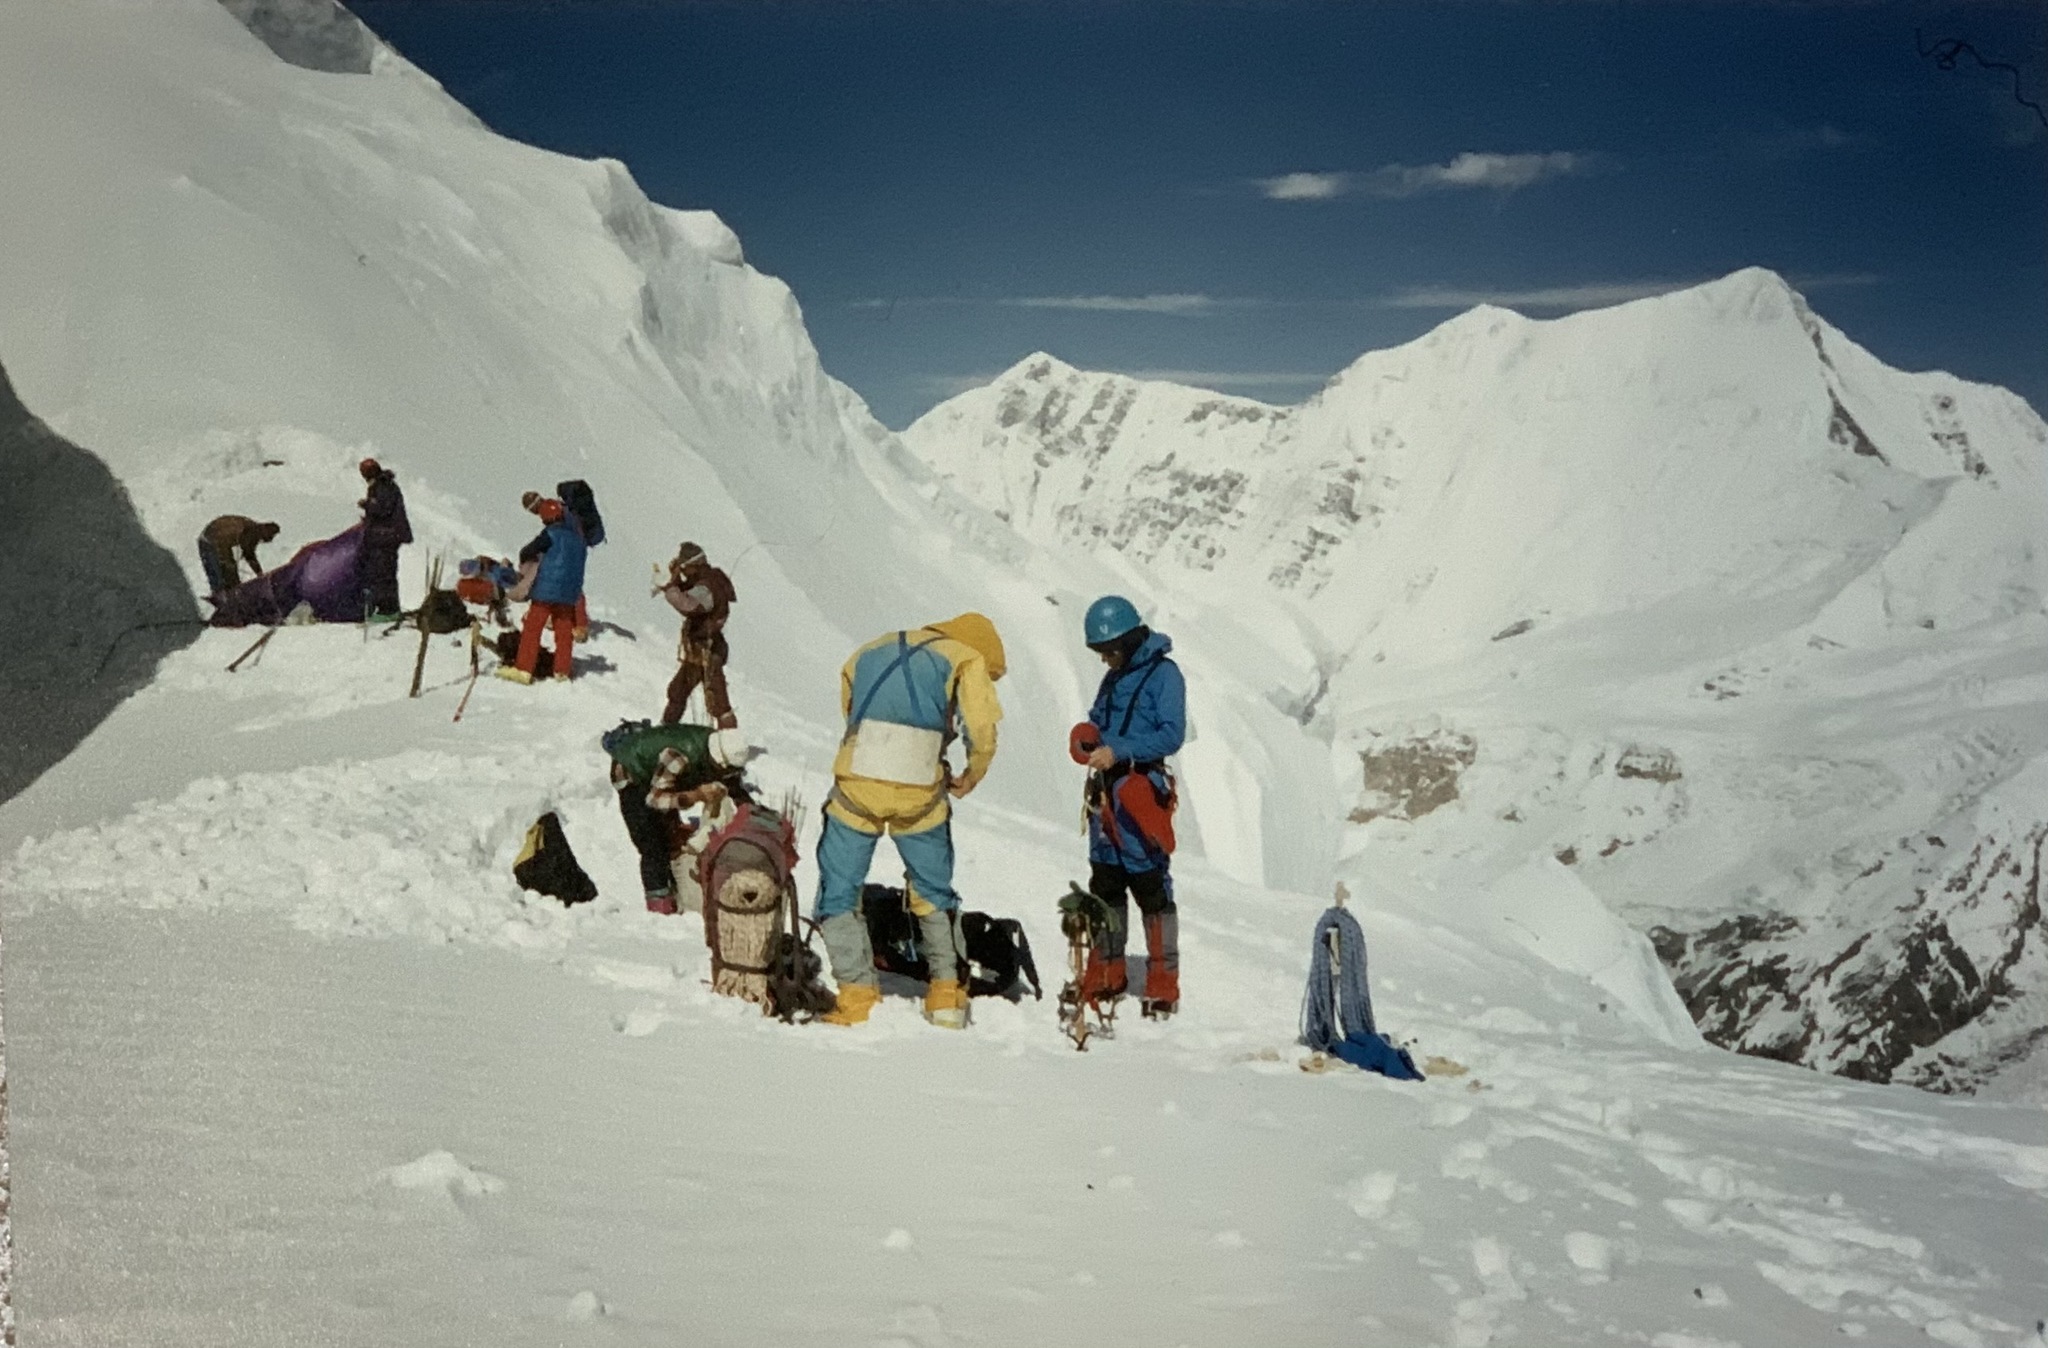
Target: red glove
{"x": 1083, "y": 740}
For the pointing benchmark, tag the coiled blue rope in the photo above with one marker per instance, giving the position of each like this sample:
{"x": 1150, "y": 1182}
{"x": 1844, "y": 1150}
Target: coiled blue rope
{"x": 1336, "y": 1011}
{"x": 1327, "y": 1004}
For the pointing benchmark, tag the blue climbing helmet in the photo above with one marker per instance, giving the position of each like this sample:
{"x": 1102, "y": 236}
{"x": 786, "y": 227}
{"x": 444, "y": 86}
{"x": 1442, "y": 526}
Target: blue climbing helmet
{"x": 1109, "y": 618}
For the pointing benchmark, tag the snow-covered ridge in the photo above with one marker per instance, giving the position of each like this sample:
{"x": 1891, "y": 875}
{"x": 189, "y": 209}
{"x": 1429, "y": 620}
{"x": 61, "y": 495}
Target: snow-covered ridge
{"x": 1704, "y": 530}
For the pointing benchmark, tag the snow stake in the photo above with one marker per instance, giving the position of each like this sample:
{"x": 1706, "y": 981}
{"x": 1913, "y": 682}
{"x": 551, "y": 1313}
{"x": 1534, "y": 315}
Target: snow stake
{"x": 419, "y": 664}
{"x": 474, "y": 627}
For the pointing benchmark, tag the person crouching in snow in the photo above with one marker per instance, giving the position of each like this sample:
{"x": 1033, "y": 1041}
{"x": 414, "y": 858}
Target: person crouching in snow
{"x": 904, "y": 696}
{"x": 660, "y": 771}
{"x": 551, "y": 582}
{"x": 1138, "y": 721}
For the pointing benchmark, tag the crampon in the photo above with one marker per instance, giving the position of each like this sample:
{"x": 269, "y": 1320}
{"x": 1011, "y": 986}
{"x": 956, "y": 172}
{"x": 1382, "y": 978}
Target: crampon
{"x": 1084, "y": 1013}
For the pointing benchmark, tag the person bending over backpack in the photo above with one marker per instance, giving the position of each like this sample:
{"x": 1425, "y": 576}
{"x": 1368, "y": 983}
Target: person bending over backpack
{"x": 659, "y": 771}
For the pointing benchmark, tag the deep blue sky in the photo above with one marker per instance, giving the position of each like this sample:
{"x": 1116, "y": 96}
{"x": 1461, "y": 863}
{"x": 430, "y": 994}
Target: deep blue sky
{"x": 1252, "y": 194}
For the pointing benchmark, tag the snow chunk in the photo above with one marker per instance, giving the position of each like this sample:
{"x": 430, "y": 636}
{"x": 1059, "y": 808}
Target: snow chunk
{"x": 1594, "y": 1254}
{"x": 1371, "y": 1195}
{"x": 441, "y": 1170}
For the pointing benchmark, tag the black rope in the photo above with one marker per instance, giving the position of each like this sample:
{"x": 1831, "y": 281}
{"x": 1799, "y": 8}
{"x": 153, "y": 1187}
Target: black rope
{"x": 114, "y": 645}
{"x": 1949, "y": 50}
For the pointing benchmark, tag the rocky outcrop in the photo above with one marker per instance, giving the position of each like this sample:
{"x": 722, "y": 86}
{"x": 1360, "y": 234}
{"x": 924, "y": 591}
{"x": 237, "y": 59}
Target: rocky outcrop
{"x": 1934, "y": 995}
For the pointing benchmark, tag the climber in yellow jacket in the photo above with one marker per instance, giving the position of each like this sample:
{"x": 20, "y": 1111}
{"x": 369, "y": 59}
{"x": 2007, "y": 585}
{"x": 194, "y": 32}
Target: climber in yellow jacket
{"x": 906, "y": 696}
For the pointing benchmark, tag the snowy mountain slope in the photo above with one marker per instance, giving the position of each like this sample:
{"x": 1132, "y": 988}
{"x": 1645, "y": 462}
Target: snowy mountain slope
{"x": 1693, "y": 593}
{"x": 291, "y": 1059}
{"x": 1717, "y": 440}
{"x": 275, "y": 264}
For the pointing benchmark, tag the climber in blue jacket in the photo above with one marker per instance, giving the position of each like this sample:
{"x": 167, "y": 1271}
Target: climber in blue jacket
{"x": 1138, "y": 721}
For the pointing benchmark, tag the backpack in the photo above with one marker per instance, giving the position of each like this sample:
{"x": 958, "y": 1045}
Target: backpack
{"x": 998, "y": 952}
{"x": 546, "y": 865}
{"x": 577, "y": 498}
{"x": 443, "y": 612}
{"x": 760, "y": 949}
{"x": 636, "y": 746}
{"x": 505, "y": 646}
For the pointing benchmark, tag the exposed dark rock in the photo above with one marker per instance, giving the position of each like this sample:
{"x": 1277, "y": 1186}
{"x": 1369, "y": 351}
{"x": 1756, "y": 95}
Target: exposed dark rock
{"x": 1866, "y": 1004}
{"x": 315, "y": 34}
{"x": 92, "y": 601}
{"x": 1410, "y": 778}
{"x": 1843, "y": 430}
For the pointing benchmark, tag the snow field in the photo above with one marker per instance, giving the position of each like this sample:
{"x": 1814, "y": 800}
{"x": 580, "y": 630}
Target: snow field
{"x": 547, "y": 1120}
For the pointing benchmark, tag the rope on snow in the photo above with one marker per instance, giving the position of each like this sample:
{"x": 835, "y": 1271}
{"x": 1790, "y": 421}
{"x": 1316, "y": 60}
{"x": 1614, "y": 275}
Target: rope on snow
{"x": 1336, "y": 1012}
{"x": 1338, "y": 1005}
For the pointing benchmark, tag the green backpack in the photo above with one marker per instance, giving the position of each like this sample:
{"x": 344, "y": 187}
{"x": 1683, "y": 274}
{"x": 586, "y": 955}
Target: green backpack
{"x": 636, "y": 746}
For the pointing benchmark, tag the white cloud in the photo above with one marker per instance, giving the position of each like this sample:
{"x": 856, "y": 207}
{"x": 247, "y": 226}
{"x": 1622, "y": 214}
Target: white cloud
{"x": 1179, "y": 305}
{"x": 1548, "y": 297}
{"x": 1500, "y": 172}
{"x": 1118, "y": 304}
{"x": 1305, "y": 186}
{"x": 1472, "y": 169}
{"x": 1238, "y": 378}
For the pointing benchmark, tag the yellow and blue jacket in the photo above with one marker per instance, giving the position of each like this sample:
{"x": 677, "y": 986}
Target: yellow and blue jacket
{"x": 906, "y": 696}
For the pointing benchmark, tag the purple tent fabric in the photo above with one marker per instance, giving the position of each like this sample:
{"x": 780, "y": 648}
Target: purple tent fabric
{"x": 326, "y": 575}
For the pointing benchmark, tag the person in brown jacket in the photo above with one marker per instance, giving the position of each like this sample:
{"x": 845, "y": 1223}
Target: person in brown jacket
{"x": 221, "y": 539}
{"x": 703, "y": 594}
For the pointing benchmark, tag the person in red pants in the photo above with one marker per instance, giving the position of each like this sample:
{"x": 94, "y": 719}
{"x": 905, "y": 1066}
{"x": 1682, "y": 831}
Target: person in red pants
{"x": 556, "y": 558}
{"x": 1138, "y": 721}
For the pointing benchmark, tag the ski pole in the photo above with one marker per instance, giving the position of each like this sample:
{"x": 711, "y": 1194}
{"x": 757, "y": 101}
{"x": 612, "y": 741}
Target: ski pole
{"x": 260, "y": 643}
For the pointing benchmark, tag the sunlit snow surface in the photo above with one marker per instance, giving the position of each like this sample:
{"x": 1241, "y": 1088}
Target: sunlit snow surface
{"x": 292, "y": 1060}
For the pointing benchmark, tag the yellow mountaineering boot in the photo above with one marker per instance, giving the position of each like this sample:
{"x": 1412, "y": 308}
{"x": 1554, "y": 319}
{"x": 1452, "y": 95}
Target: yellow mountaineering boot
{"x": 945, "y": 1004}
{"x": 514, "y": 674}
{"x": 856, "y": 1001}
